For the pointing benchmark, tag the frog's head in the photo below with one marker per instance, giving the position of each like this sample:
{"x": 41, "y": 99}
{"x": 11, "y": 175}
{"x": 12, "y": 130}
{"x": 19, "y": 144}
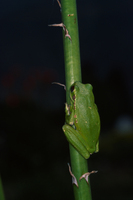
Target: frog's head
{"x": 81, "y": 90}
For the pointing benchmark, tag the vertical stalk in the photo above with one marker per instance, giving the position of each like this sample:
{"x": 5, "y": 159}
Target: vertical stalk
{"x": 73, "y": 74}
{"x": 1, "y": 191}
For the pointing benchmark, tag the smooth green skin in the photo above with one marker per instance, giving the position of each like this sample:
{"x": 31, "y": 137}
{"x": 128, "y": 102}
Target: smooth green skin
{"x": 82, "y": 126}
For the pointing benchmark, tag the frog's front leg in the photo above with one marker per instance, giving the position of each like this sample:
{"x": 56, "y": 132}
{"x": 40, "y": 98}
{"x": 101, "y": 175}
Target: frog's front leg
{"x": 75, "y": 139}
{"x": 69, "y": 114}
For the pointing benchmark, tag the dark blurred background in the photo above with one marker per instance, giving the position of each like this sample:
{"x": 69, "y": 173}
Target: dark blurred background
{"x": 33, "y": 150}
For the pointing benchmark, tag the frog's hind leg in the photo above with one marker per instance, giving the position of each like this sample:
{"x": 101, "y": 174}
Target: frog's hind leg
{"x": 75, "y": 139}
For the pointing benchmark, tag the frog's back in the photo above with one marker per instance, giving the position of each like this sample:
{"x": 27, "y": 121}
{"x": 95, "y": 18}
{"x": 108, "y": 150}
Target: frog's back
{"x": 87, "y": 119}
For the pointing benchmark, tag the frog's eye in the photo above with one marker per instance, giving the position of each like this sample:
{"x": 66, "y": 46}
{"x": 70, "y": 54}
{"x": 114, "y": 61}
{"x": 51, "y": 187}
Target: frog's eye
{"x": 72, "y": 88}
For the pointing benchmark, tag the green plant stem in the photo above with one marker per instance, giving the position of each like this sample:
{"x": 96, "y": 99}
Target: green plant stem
{"x": 73, "y": 73}
{"x": 1, "y": 191}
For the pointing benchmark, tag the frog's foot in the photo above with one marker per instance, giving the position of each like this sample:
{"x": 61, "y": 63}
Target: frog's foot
{"x": 74, "y": 180}
{"x": 86, "y": 175}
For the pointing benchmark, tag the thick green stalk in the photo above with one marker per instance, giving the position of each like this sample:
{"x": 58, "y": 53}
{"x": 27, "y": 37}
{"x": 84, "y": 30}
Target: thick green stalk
{"x": 73, "y": 73}
{"x": 1, "y": 191}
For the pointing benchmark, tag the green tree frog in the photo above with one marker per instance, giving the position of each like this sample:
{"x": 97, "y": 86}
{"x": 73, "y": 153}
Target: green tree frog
{"x": 82, "y": 126}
